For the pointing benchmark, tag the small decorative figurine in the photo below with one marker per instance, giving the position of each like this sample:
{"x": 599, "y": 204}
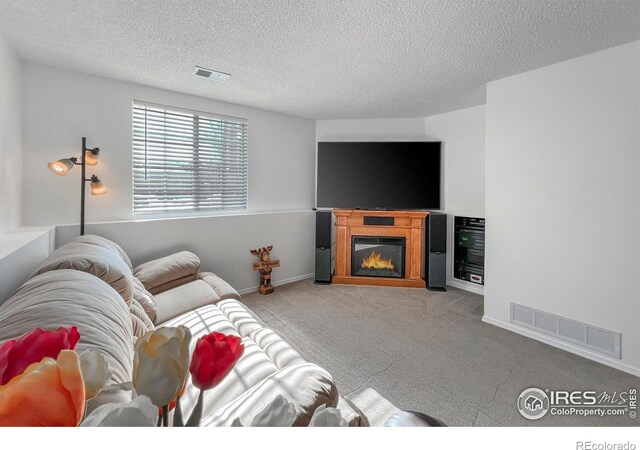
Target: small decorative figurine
{"x": 265, "y": 266}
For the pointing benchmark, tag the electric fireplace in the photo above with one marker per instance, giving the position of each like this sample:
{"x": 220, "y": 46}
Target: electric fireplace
{"x": 367, "y": 240}
{"x": 373, "y": 256}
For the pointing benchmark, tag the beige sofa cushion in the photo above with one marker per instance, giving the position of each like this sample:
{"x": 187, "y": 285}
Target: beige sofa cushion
{"x": 269, "y": 366}
{"x": 182, "y": 299}
{"x": 138, "y": 326}
{"x": 165, "y": 273}
{"x": 305, "y": 385}
{"x": 100, "y": 261}
{"x": 105, "y": 243}
{"x": 139, "y": 320}
{"x": 145, "y": 299}
{"x": 208, "y": 289}
{"x": 173, "y": 283}
{"x": 242, "y": 318}
{"x": 71, "y": 297}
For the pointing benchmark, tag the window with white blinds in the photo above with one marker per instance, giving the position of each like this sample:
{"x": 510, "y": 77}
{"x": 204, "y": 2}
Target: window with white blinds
{"x": 187, "y": 160}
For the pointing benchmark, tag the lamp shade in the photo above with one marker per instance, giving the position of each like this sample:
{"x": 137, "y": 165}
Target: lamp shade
{"x": 91, "y": 157}
{"x": 98, "y": 187}
{"x": 61, "y": 166}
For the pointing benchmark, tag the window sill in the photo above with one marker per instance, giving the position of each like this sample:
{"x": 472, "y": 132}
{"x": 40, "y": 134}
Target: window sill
{"x": 225, "y": 214}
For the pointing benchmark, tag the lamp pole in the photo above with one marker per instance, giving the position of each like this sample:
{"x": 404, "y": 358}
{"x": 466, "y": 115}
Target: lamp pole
{"x": 62, "y": 166}
{"x": 84, "y": 180}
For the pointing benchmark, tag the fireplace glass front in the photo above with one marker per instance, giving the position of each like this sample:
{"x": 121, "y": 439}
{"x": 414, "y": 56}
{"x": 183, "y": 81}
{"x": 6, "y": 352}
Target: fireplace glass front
{"x": 377, "y": 256}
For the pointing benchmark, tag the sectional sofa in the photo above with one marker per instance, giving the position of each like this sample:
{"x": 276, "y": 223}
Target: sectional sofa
{"x": 91, "y": 283}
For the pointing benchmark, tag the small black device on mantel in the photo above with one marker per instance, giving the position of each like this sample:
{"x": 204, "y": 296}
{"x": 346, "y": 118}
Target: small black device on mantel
{"x": 378, "y": 175}
{"x": 325, "y": 245}
{"x": 435, "y": 252}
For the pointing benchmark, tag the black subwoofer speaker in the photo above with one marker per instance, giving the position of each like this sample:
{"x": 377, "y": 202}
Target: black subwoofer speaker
{"x": 435, "y": 252}
{"x": 325, "y": 245}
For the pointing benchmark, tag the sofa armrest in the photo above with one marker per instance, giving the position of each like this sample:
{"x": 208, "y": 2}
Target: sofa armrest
{"x": 222, "y": 289}
{"x": 208, "y": 289}
{"x": 305, "y": 385}
{"x": 168, "y": 272}
{"x": 182, "y": 299}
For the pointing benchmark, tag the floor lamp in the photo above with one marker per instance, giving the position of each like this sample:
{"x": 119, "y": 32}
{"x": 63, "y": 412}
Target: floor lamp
{"x": 89, "y": 158}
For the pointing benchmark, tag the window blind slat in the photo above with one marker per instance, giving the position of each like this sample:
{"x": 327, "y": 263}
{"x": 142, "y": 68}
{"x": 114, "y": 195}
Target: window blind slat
{"x": 182, "y": 128}
{"x": 162, "y": 154}
{"x": 187, "y": 161}
{"x": 174, "y": 112}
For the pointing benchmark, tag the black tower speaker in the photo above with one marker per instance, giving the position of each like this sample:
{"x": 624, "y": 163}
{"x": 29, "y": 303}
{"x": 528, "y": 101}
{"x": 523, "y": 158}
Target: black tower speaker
{"x": 435, "y": 253}
{"x": 325, "y": 245}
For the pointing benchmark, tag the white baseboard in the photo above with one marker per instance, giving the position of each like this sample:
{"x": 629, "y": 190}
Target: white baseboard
{"x": 278, "y": 283}
{"x": 466, "y": 286}
{"x": 563, "y": 345}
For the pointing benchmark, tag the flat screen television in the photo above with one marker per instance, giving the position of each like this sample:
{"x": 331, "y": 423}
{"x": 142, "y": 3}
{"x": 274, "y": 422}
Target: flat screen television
{"x": 378, "y": 175}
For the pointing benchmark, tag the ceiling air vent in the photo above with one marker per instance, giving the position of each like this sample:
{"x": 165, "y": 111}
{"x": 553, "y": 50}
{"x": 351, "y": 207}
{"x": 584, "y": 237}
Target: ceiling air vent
{"x": 211, "y": 74}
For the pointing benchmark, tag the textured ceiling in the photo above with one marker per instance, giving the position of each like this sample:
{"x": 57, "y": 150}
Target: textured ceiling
{"x": 318, "y": 59}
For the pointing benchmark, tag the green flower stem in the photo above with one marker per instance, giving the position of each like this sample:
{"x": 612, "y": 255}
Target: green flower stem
{"x": 196, "y": 414}
{"x": 178, "y": 421}
{"x": 165, "y": 416}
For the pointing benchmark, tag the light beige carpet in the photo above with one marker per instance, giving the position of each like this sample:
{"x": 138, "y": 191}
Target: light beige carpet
{"x": 428, "y": 352}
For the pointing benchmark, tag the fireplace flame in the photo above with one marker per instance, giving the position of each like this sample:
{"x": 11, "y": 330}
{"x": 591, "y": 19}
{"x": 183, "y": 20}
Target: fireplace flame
{"x": 376, "y": 261}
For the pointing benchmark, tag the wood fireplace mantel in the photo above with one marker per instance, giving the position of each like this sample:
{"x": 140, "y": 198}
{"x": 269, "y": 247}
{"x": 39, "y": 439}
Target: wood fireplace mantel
{"x": 407, "y": 224}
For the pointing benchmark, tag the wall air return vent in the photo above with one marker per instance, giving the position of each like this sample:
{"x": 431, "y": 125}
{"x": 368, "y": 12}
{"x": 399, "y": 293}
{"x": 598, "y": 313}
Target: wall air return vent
{"x": 602, "y": 339}
{"x": 521, "y": 315}
{"x": 584, "y": 335}
{"x": 546, "y": 322}
{"x": 211, "y": 74}
{"x": 571, "y": 330}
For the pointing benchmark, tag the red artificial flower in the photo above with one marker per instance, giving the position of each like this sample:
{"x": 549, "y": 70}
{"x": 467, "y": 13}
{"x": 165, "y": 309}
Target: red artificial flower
{"x": 214, "y": 356}
{"x": 32, "y": 347}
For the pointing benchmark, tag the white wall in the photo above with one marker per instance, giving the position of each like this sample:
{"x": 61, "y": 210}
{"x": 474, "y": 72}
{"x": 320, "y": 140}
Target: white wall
{"x": 10, "y": 138}
{"x": 409, "y": 129}
{"x": 61, "y": 106}
{"x": 563, "y": 194}
{"x": 463, "y": 138}
{"x": 20, "y": 253}
{"x": 21, "y": 250}
{"x": 222, "y": 243}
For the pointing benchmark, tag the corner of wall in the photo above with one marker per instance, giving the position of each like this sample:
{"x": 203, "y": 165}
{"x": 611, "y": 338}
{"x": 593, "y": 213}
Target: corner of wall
{"x": 11, "y": 145}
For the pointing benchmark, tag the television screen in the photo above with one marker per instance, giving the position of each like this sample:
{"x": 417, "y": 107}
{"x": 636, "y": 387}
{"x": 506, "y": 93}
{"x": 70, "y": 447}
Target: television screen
{"x": 378, "y": 175}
